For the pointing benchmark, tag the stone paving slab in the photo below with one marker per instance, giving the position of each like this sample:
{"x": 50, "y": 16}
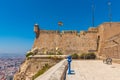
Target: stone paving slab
{"x": 94, "y": 70}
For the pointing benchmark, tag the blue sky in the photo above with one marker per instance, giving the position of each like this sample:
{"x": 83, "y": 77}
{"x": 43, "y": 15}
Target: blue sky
{"x": 17, "y": 18}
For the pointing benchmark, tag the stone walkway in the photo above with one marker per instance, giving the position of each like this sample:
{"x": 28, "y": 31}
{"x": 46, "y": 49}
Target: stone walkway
{"x": 94, "y": 70}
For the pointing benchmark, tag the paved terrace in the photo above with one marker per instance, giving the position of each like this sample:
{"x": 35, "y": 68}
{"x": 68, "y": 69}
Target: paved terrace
{"x": 94, "y": 70}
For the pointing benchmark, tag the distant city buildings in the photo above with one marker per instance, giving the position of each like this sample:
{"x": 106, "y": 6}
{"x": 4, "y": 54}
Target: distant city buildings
{"x": 9, "y": 66}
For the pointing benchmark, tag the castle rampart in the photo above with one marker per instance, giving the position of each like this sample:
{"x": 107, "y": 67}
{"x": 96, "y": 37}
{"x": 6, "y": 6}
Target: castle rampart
{"x": 72, "y": 41}
{"x": 67, "y": 41}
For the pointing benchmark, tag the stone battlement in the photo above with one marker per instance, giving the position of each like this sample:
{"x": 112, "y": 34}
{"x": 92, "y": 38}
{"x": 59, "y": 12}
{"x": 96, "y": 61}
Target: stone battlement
{"x": 66, "y": 31}
{"x": 38, "y": 31}
{"x": 49, "y": 31}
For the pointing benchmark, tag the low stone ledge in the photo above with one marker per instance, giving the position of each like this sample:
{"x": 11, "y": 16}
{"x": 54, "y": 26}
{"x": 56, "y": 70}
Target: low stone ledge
{"x": 57, "y": 72}
{"x": 60, "y": 74}
{"x": 47, "y": 56}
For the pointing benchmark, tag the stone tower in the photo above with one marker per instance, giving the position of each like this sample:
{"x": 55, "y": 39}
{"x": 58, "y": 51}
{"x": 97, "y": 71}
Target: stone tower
{"x": 36, "y": 30}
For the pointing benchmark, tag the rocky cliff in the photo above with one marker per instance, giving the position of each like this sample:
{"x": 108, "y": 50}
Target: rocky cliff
{"x": 32, "y": 65}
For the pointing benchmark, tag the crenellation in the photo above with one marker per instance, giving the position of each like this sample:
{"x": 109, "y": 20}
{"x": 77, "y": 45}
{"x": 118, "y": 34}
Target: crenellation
{"x": 69, "y": 31}
{"x": 93, "y": 29}
{"x": 48, "y": 32}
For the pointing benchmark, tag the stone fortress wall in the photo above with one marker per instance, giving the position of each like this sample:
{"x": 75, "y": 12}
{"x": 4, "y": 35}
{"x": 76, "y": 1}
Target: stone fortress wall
{"x": 69, "y": 42}
{"x": 112, "y": 47}
{"x": 109, "y": 38}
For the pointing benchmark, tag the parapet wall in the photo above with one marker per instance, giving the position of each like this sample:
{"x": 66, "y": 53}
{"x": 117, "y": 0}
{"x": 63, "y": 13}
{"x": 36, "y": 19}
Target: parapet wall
{"x": 57, "y": 72}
